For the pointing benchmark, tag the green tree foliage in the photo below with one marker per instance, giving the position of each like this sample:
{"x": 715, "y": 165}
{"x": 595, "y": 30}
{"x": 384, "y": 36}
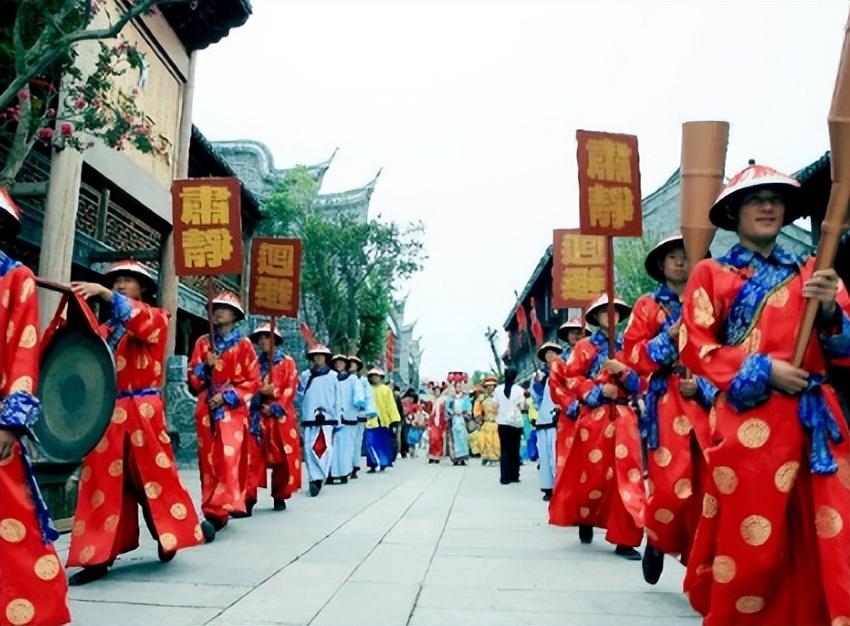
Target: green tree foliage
{"x": 631, "y": 278}
{"x": 349, "y": 270}
{"x": 46, "y": 96}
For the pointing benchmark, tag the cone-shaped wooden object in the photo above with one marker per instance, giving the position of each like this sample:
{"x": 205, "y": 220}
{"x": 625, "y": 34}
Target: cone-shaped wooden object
{"x": 839, "y": 195}
{"x": 703, "y": 164}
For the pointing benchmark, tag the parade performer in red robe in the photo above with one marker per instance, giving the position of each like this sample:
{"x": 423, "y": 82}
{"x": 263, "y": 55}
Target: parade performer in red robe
{"x": 33, "y": 587}
{"x": 273, "y": 417}
{"x": 773, "y": 544}
{"x": 133, "y": 465}
{"x": 570, "y": 332}
{"x": 676, "y": 406}
{"x": 437, "y": 424}
{"x": 601, "y": 483}
{"x": 225, "y": 375}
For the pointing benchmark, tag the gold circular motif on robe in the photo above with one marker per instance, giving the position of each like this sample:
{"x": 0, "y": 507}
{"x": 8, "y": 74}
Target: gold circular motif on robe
{"x": 22, "y": 383}
{"x": 709, "y": 506}
{"x": 287, "y": 448}
{"x": 6, "y": 299}
{"x": 570, "y": 441}
{"x": 47, "y": 567}
{"x": 85, "y": 474}
{"x": 199, "y": 534}
{"x": 238, "y": 436}
{"x": 229, "y": 450}
{"x": 844, "y": 472}
{"x": 146, "y": 410}
{"x": 163, "y": 437}
{"x": 595, "y": 455}
{"x": 178, "y": 511}
{"x": 609, "y": 474}
{"x": 120, "y": 364}
{"x": 205, "y": 421}
{"x": 86, "y": 554}
{"x": 755, "y": 530}
{"x": 725, "y": 479}
{"x": 778, "y": 298}
{"x": 621, "y": 451}
{"x": 79, "y": 527}
{"x": 665, "y": 516}
{"x": 102, "y": 445}
{"x": 116, "y": 468}
{"x": 724, "y": 569}
{"x": 292, "y": 480}
{"x": 841, "y": 620}
{"x": 98, "y": 498}
{"x": 683, "y": 488}
{"x": 650, "y": 487}
{"x": 219, "y": 365}
{"x": 293, "y": 433}
{"x": 119, "y": 415}
{"x": 682, "y": 425}
{"x": 634, "y": 475}
{"x": 749, "y": 604}
{"x": 10, "y": 331}
{"x": 142, "y": 362}
{"x": 683, "y": 338}
{"x": 703, "y": 308}
{"x": 610, "y": 430}
{"x": 786, "y": 475}
{"x": 162, "y": 461}
{"x": 168, "y": 541}
{"x": 583, "y": 477}
{"x": 595, "y": 494}
{"x": 828, "y": 522}
{"x": 29, "y": 337}
{"x": 111, "y": 523}
{"x": 219, "y": 489}
{"x": 153, "y": 490}
{"x": 226, "y": 418}
{"x": 635, "y": 355}
{"x": 753, "y": 432}
{"x": 20, "y": 611}
{"x": 27, "y": 289}
{"x": 12, "y": 530}
{"x": 297, "y": 463}
{"x": 662, "y": 456}
{"x": 584, "y": 511}
{"x": 752, "y": 344}
{"x": 157, "y": 368}
{"x": 653, "y": 536}
{"x": 138, "y": 438}
{"x": 227, "y": 506}
{"x": 712, "y": 420}
{"x": 598, "y": 414}
{"x": 583, "y": 434}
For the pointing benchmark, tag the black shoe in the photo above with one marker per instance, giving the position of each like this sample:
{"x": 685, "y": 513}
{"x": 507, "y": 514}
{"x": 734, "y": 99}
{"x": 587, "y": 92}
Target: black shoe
{"x": 627, "y": 552}
{"x": 315, "y": 488}
{"x": 504, "y": 482}
{"x": 383, "y": 469}
{"x": 279, "y": 504}
{"x": 88, "y": 575}
{"x": 372, "y": 470}
{"x": 653, "y": 564}
{"x": 249, "y": 510}
{"x": 585, "y": 534}
{"x": 216, "y": 523}
{"x": 432, "y": 461}
{"x": 164, "y": 556}
{"x": 547, "y": 495}
{"x": 354, "y": 473}
{"x": 330, "y": 480}
{"x": 343, "y": 480}
{"x": 208, "y": 530}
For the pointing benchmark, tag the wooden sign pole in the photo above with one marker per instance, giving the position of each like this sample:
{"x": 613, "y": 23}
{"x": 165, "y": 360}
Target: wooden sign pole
{"x": 210, "y": 296}
{"x": 272, "y": 327}
{"x": 609, "y": 288}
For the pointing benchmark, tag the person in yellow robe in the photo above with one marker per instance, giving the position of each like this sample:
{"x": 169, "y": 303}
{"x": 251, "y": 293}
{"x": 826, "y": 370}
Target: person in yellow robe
{"x": 382, "y": 413}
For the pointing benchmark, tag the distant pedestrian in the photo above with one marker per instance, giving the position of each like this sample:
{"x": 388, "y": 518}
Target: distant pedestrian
{"x": 510, "y": 397}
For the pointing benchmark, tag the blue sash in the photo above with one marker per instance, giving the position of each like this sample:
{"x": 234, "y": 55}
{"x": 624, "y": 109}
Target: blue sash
{"x": 648, "y": 421}
{"x": 770, "y": 275}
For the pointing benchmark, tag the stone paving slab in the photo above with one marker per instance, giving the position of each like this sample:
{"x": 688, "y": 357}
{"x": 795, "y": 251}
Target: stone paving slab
{"x": 418, "y": 544}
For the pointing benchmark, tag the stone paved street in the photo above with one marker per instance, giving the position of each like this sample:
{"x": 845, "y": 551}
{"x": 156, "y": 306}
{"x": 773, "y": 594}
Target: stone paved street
{"x": 420, "y": 544}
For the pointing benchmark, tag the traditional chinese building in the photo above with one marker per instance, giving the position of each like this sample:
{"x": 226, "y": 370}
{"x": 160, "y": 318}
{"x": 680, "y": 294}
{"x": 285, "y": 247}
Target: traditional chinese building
{"x": 403, "y": 354}
{"x": 82, "y": 210}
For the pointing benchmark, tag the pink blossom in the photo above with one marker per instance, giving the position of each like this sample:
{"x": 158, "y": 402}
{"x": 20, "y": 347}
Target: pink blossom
{"x": 90, "y": 144}
{"x": 23, "y": 95}
{"x": 45, "y": 133}
{"x": 95, "y": 7}
{"x": 79, "y": 103}
{"x": 66, "y": 128}
{"x": 51, "y": 113}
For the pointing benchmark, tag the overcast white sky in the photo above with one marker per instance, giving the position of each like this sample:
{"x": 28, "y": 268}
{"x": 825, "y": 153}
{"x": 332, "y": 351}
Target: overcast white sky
{"x": 471, "y": 108}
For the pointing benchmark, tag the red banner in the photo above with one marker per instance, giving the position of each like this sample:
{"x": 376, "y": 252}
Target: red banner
{"x": 578, "y": 268}
{"x": 207, "y": 222}
{"x": 609, "y": 184}
{"x": 275, "y": 285}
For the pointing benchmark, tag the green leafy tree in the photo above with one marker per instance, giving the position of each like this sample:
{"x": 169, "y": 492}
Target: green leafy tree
{"x": 349, "y": 270}
{"x": 631, "y": 278}
{"x": 48, "y": 98}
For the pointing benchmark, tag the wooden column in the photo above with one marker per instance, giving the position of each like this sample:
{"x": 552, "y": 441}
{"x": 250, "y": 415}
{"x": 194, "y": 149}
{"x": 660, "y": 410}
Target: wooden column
{"x": 168, "y": 281}
{"x": 60, "y": 217}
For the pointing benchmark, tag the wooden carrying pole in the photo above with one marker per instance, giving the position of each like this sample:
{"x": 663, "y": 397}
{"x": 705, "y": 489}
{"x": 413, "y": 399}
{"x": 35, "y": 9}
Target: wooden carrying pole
{"x": 839, "y": 195}
{"x": 702, "y": 166}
